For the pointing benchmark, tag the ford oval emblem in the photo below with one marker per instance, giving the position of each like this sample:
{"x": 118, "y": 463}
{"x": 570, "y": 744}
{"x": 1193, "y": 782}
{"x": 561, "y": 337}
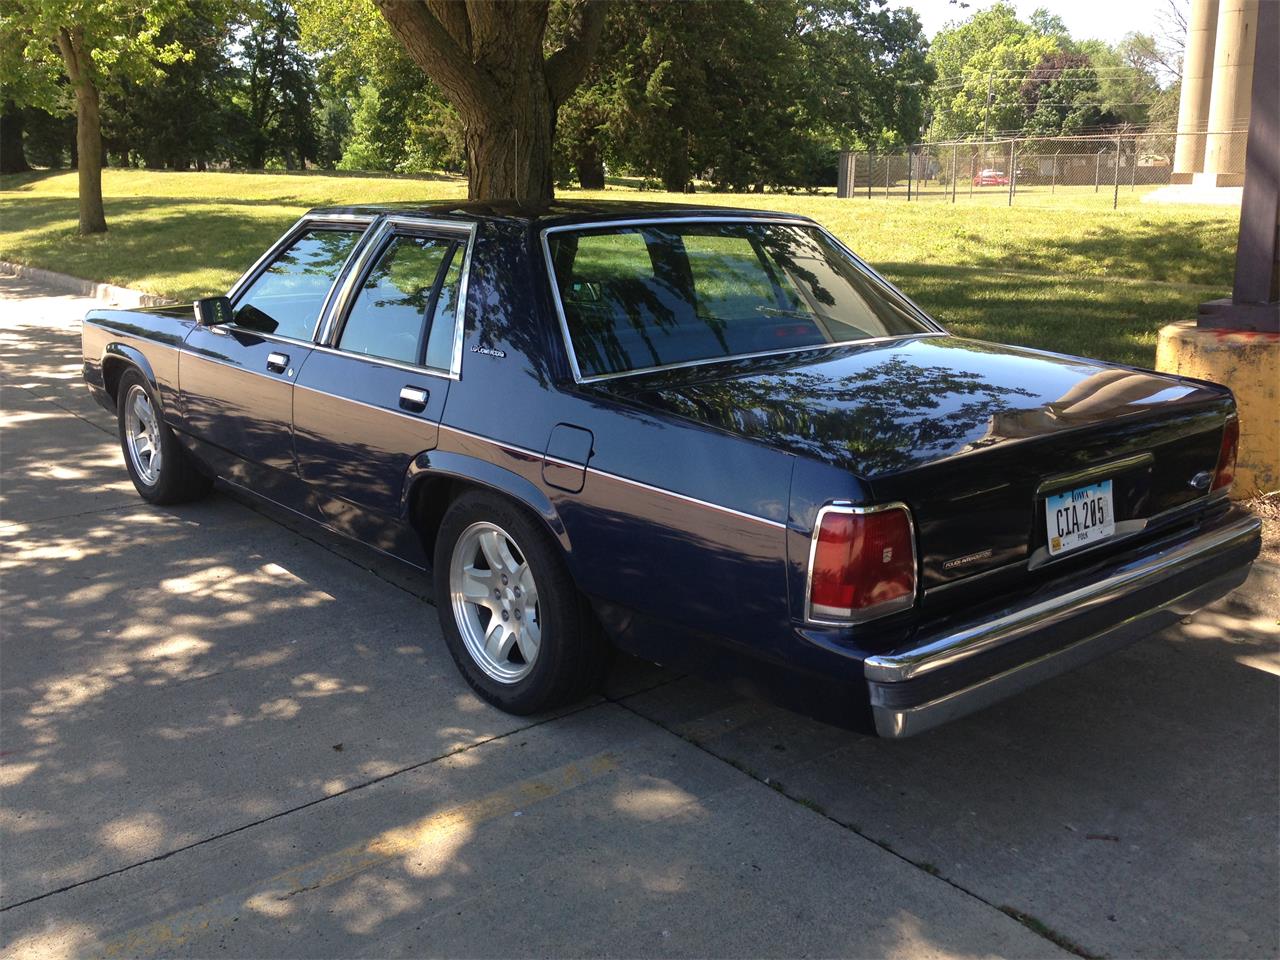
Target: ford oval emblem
{"x": 1200, "y": 481}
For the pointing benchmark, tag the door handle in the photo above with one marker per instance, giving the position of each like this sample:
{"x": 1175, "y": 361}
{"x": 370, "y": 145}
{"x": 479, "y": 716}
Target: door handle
{"x": 277, "y": 362}
{"x": 413, "y": 399}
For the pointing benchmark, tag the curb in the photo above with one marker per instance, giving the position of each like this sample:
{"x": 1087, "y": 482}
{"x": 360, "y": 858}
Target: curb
{"x": 107, "y": 293}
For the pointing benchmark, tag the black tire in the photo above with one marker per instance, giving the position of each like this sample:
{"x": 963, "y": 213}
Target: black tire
{"x": 178, "y": 478}
{"x": 572, "y": 656}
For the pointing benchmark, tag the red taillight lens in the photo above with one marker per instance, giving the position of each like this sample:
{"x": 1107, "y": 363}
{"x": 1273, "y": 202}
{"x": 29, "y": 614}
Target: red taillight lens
{"x": 864, "y": 564}
{"x": 1226, "y": 471}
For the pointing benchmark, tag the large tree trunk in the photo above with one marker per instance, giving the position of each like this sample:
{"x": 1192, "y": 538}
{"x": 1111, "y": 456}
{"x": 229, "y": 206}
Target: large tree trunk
{"x": 487, "y": 56}
{"x": 509, "y": 144}
{"x": 93, "y": 219}
{"x": 675, "y": 172}
{"x": 590, "y": 164}
{"x": 13, "y": 159}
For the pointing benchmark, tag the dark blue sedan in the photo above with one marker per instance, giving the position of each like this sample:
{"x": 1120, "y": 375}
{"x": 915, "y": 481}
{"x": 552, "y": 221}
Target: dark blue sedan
{"x": 717, "y": 440}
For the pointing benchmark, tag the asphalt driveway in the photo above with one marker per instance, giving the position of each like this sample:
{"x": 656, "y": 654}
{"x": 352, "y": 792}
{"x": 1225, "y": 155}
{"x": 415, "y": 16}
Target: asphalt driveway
{"x": 221, "y": 733}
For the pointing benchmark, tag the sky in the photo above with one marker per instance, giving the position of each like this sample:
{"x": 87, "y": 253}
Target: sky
{"x": 1107, "y": 20}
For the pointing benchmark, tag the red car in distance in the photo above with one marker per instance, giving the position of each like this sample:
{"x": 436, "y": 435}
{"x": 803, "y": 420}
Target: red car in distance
{"x": 990, "y": 178}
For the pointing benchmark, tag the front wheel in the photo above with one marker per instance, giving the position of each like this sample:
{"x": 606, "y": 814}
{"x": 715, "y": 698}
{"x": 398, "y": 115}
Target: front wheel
{"x": 161, "y": 470}
{"x": 516, "y": 625}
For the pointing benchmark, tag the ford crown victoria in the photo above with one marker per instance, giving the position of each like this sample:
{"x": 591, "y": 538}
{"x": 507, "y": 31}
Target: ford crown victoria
{"x": 714, "y": 439}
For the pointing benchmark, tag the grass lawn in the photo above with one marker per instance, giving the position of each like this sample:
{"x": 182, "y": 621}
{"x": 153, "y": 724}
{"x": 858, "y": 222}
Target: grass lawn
{"x": 1062, "y": 272}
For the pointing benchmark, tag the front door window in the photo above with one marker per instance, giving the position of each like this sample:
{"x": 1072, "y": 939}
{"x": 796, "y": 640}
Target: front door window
{"x": 286, "y": 298}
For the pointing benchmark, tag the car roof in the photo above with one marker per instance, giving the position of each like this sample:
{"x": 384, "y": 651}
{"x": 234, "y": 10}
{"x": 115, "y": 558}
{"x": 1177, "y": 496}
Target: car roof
{"x": 551, "y": 213}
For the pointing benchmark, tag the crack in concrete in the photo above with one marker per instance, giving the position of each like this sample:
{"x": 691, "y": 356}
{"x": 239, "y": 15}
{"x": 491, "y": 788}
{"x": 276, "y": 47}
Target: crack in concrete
{"x": 1029, "y": 922}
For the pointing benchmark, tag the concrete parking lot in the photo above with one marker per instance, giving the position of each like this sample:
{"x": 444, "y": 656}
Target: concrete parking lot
{"x": 222, "y": 733}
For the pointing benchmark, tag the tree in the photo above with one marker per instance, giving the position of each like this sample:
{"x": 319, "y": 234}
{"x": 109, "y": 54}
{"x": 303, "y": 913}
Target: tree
{"x": 1128, "y": 78}
{"x": 279, "y": 89}
{"x": 190, "y": 117}
{"x": 399, "y": 120}
{"x": 1061, "y": 96}
{"x": 981, "y": 64}
{"x": 490, "y": 60}
{"x": 13, "y": 159}
{"x": 94, "y": 45}
{"x": 864, "y": 71}
{"x": 744, "y": 93}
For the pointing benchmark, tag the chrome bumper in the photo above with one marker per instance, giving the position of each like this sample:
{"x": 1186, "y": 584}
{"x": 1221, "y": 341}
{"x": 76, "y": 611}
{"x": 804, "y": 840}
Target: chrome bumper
{"x": 964, "y": 668}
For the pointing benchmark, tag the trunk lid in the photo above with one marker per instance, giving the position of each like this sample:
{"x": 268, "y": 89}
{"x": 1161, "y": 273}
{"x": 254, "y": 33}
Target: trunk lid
{"x": 971, "y": 435}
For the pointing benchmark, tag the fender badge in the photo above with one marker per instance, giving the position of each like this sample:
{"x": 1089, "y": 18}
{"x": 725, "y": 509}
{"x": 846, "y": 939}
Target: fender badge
{"x": 489, "y": 352}
{"x": 968, "y": 558}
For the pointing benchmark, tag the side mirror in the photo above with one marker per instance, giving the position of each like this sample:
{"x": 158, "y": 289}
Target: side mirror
{"x": 211, "y": 311}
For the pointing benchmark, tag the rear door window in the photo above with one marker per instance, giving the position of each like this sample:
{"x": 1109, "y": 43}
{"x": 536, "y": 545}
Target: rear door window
{"x": 286, "y": 298}
{"x": 407, "y": 305}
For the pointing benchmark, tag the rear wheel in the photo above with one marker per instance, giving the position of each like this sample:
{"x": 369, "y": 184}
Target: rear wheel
{"x": 515, "y": 623}
{"x": 161, "y": 470}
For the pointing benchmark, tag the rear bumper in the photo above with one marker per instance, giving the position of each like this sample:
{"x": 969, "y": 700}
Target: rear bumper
{"x": 962, "y": 668}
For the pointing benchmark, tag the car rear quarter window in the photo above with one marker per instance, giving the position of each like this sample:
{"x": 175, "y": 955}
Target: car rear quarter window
{"x": 286, "y": 298}
{"x": 670, "y": 293}
{"x": 406, "y": 307}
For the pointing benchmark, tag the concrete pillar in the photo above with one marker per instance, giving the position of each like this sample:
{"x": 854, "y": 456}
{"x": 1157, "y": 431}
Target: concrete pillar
{"x": 1232, "y": 85}
{"x": 1197, "y": 85}
{"x": 1249, "y": 363}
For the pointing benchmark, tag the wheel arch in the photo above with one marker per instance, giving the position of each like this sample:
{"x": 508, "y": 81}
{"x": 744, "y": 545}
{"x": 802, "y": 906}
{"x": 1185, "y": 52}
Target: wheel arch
{"x": 435, "y": 479}
{"x": 119, "y": 357}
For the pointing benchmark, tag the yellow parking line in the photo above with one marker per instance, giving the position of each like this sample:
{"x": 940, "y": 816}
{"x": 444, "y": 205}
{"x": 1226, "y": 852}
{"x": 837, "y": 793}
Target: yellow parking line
{"x": 420, "y": 836}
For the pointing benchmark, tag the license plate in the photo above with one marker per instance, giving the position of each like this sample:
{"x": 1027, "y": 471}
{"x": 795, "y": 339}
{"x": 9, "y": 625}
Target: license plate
{"x": 1078, "y": 518}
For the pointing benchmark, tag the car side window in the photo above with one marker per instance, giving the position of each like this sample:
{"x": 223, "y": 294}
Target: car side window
{"x": 286, "y": 298}
{"x": 406, "y": 305}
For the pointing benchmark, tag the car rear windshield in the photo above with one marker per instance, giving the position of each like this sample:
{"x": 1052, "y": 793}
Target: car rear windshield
{"x": 663, "y": 294}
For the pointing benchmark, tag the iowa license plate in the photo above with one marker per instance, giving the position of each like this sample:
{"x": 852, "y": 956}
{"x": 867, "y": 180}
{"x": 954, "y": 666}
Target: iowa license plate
{"x": 1078, "y": 518}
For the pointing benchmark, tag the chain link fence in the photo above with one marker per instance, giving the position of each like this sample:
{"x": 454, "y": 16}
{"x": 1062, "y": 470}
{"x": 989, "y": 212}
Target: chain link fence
{"x": 1033, "y": 166}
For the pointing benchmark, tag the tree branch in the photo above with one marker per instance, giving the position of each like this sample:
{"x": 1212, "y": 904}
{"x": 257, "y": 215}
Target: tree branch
{"x": 567, "y": 66}
{"x": 433, "y": 48}
{"x": 453, "y": 17}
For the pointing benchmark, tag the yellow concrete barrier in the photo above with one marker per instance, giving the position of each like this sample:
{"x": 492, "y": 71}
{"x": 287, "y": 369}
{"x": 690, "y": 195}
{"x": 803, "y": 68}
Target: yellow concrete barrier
{"x": 1248, "y": 363}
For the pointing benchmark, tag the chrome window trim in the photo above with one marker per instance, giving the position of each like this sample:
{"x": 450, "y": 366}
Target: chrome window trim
{"x": 343, "y": 298}
{"x": 935, "y": 329}
{"x": 385, "y": 362}
{"x": 287, "y": 239}
{"x": 226, "y": 331}
{"x": 880, "y": 609}
{"x": 638, "y": 371}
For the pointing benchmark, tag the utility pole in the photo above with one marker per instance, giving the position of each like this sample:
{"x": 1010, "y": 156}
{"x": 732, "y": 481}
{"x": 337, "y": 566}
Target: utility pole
{"x": 1013, "y": 169}
{"x": 986, "y": 111}
{"x": 1115, "y": 200}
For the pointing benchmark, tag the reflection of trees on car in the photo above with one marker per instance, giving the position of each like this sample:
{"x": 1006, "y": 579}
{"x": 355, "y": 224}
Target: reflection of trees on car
{"x": 653, "y": 295}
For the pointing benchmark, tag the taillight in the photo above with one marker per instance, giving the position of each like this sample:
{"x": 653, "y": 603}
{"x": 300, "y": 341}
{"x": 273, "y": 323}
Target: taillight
{"x": 862, "y": 563}
{"x": 1226, "y": 469}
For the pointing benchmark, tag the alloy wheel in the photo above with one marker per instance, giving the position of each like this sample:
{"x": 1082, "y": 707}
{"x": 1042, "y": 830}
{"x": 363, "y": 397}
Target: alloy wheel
{"x": 142, "y": 435}
{"x": 495, "y": 602}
